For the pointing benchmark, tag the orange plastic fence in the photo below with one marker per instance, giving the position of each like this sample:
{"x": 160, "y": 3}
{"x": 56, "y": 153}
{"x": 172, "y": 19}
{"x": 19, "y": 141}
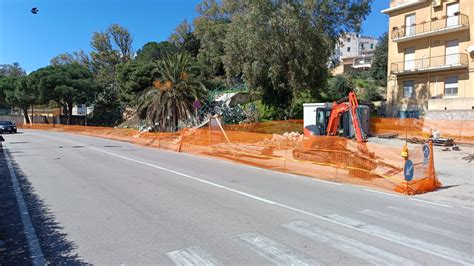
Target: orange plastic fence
{"x": 330, "y": 158}
{"x": 462, "y": 131}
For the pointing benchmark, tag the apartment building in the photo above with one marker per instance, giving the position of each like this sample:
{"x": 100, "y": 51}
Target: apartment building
{"x": 430, "y": 56}
{"x": 354, "y": 53}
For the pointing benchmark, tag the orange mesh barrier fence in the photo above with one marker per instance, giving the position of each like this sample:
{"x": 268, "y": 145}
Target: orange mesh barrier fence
{"x": 462, "y": 131}
{"x": 167, "y": 141}
{"x": 329, "y": 158}
{"x": 270, "y": 127}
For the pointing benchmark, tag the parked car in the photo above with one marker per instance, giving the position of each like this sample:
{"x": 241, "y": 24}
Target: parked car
{"x": 7, "y": 126}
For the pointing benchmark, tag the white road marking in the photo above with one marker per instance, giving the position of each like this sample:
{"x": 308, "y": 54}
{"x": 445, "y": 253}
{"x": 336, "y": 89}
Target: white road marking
{"x": 440, "y": 251}
{"x": 444, "y": 219}
{"x": 414, "y": 224}
{"x": 325, "y": 181}
{"x": 432, "y": 202}
{"x": 191, "y": 256}
{"x": 274, "y": 251}
{"x": 33, "y": 242}
{"x": 369, "y": 254}
{"x": 409, "y": 244}
{"x": 383, "y": 193}
{"x": 188, "y": 176}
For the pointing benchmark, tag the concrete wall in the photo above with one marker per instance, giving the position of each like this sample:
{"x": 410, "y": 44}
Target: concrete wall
{"x": 431, "y": 84}
{"x": 451, "y": 104}
{"x": 450, "y": 115}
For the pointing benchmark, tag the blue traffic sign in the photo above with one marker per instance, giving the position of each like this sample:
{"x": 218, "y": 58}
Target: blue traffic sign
{"x": 426, "y": 151}
{"x": 426, "y": 154}
{"x": 409, "y": 170}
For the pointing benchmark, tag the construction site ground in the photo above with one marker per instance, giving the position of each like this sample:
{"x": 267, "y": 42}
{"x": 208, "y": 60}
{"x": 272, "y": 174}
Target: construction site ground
{"x": 455, "y": 170}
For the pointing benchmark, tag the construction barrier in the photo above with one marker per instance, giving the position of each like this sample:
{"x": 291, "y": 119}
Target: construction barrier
{"x": 330, "y": 158}
{"x": 462, "y": 131}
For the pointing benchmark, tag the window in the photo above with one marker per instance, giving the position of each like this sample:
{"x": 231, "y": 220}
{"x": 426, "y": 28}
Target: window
{"x": 452, "y": 52}
{"x": 410, "y": 28}
{"x": 348, "y": 39}
{"x": 409, "y": 59}
{"x": 408, "y": 88}
{"x": 371, "y": 46}
{"x": 348, "y": 49}
{"x": 362, "y": 46}
{"x": 451, "y": 86}
{"x": 451, "y": 11}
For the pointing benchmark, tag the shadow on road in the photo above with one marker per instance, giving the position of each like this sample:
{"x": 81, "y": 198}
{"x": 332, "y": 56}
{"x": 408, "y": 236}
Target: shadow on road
{"x": 57, "y": 249}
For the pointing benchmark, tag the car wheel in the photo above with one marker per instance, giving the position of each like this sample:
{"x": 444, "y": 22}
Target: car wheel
{"x": 15, "y": 131}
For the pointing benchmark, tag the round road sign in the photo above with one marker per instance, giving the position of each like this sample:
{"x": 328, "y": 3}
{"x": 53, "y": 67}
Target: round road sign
{"x": 426, "y": 151}
{"x": 409, "y": 170}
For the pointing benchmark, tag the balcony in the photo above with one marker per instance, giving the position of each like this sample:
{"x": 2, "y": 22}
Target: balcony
{"x": 430, "y": 28}
{"x": 399, "y": 4}
{"x": 430, "y": 64}
{"x": 362, "y": 62}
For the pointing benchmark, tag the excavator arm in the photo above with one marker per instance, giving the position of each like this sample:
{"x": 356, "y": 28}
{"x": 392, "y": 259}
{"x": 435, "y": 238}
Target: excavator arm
{"x": 354, "y": 105}
{"x": 340, "y": 108}
{"x": 333, "y": 123}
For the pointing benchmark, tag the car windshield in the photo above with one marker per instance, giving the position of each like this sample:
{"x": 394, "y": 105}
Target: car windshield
{"x": 5, "y": 123}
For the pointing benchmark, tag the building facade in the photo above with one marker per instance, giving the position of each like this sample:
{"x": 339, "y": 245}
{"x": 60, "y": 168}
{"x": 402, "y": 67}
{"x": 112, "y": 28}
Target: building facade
{"x": 354, "y": 53}
{"x": 430, "y": 56}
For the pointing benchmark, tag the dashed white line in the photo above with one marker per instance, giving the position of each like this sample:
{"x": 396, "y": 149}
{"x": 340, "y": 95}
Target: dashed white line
{"x": 273, "y": 251}
{"x": 191, "y": 256}
{"x": 326, "y": 182}
{"x": 368, "y": 253}
{"x": 436, "y": 250}
{"x": 423, "y": 226}
{"x": 383, "y": 193}
{"x": 432, "y": 202}
{"x": 33, "y": 242}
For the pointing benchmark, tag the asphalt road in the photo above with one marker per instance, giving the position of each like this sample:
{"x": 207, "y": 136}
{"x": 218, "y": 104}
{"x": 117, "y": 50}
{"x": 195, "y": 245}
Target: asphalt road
{"x": 100, "y": 201}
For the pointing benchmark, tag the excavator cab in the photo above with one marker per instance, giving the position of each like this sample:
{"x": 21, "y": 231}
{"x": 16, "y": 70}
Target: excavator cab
{"x": 345, "y": 128}
{"x": 345, "y": 118}
{"x": 322, "y": 118}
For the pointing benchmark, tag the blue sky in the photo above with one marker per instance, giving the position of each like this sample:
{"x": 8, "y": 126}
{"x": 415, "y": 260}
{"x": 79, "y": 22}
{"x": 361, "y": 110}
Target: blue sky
{"x": 67, "y": 25}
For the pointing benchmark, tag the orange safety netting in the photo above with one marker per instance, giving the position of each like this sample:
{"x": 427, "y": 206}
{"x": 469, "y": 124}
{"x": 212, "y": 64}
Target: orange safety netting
{"x": 331, "y": 158}
{"x": 462, "y": 131}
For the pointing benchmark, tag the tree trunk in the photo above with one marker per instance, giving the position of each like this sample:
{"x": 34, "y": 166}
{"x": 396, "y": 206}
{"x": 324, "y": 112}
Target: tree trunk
{"x": 69, "y": 113}
{"x": 176, "y": 122}
{"x": 25, "y": 114}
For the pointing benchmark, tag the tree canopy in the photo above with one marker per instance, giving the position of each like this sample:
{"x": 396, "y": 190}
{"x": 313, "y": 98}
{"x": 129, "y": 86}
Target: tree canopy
{"x": 281, "y": 48}
{"x": 379, "y": 65}
{"x": 170, "y": 101}
{"x": 153, "y": 51}
{"x": 66, "y": 84}
{"x": 13, "y": 70}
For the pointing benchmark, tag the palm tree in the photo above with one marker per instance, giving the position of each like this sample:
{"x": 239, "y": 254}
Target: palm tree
{"x": 171, "y": 99}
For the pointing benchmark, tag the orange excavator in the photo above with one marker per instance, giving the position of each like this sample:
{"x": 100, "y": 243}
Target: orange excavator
{"x": 344, "y": 118}
{"x": 338, "y": 109}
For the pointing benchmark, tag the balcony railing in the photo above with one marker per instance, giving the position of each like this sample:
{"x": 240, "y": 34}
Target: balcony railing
{"x": 427, "y": 64}
{"x": 458, "y": 21}
{"x": 362, "y": 62}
